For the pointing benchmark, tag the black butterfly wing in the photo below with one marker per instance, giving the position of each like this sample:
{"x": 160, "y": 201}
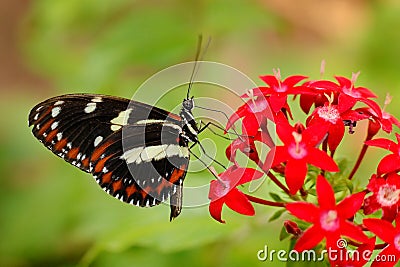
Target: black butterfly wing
{"x": 86, "y": 131}
{"x": 71, "y": 126}
{"x": 148, "y": 171}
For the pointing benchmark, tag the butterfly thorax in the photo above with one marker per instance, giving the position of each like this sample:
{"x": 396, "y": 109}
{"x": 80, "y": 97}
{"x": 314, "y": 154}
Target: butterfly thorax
{"x": 189, "y": 127}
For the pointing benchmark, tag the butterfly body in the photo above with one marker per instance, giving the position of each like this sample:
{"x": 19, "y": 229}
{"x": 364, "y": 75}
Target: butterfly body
{"x": 136, "y": 152}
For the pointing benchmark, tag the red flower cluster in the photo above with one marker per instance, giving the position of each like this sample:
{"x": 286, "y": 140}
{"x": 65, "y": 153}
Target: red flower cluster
{"x": 303, "y": 165}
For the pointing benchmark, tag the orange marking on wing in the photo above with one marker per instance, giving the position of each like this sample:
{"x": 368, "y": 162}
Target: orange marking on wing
{"x": 51, "y": 136}
{"x": 106, "y": 178}
{"x": 85, "y": 163}
{"x": 130, "y": 190}
{"x": 177, "y": 174}
{"x": 100, "y": 164}
{"x": 117, "y": 185}
{"x": 145, "y": 191}
{"x": 45, "y": 126}
{"x": 73, "y": 153}
{"x": 100, "y": 150}
{"x": 60, "y": 144}
{"x": 164, "y": 184}
{"x": 174, "y": 116}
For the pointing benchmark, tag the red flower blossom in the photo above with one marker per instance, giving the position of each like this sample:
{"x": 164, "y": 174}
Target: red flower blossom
{"x": 247, "y": 146}
{"x": 389, "y": 234}
{"x": 224, "y": 191}
{"x": 298, "y": 150}
{"x": 390, "y": 163}
{"x": 384, "y": 122}
{"x": 255, "y": 113}
{"x": 331, "y": 114}
{"x": 330, "y": 221}
{"x": 278, "y": 90}
{"x": 350, "y": 95}
{"x": 319, "y": 91}
{"x": 386, "y": 196}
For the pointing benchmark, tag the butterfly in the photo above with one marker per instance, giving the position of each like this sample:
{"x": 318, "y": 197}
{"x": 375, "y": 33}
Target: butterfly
{"x": 90, "y": 131}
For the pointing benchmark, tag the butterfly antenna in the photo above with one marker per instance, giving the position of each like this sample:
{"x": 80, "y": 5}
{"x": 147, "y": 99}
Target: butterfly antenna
{"x": 199, "y": 57}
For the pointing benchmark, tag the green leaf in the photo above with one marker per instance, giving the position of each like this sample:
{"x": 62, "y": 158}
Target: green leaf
{"x": 276, "y": 215}
{"x": 275, "y": 197}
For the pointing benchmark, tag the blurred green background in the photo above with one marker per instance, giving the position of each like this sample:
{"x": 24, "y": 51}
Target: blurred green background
{"x": 52, "y": 214}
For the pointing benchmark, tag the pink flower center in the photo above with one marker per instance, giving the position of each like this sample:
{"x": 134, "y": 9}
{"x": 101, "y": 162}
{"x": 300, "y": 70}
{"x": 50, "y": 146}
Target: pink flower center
{"x": 329, "y": 113}
{"x": 388, "y": 195}
{"x": 396, "y": 242}
{"x": 281, "y": 88}
{"x": 258, "y": 105}
{"x": 329, "y": 220}
{"x": 385, "y": 115}
{"x": 297, "y": 150}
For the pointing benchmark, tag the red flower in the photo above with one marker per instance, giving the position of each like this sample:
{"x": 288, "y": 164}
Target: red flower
{"x": 278, "y": 90}
{"x": 333, "y": 116}
{"x": 386, "y": 196}
{"x": 330, "y": 221}
{"x": 247, "y": 146}
{"x": 350, "y": 95}
{"x": 389, "y": 234}
{"x": 224, "y": 191}
{"x": 255, "y": 113}
{"x": 390, "y": 163}
{"x": 319, "y": 92}
{"x": 298, "y": 150}
{"x": 384, "y": 122}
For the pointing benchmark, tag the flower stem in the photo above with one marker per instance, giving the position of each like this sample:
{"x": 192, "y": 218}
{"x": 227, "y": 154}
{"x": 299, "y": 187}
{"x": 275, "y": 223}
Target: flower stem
{"x": 359, "y": 160}
{"x": 274, "y": 179}
{"x": 264, "y": 202}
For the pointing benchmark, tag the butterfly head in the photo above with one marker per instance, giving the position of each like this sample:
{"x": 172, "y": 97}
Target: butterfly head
{"x": 189, "y": 127}
{"x": 188, "y": 104}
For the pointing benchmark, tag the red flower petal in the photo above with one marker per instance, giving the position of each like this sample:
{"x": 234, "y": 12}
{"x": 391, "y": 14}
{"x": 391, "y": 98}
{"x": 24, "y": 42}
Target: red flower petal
{"x": 354, "y": 232}
{"x": 383, "y": 143}
{"x": 371, "y": 205}
{"x": 279, "y": 154}
{"x": 326, "y": 196}
{"x": 244, "y": 175}
{"x": 350, "y": 205}
{"x": 346, "y": 102}
{"x": 309, "y": 239}
{"x": 215, "y": 209}
{"x": 320, "y": 159}
{"x": 295, "y": 173}
{"x": 271, "y": 80}
{"x": 388, "y": 164}
{"x": 304, "y": 210}
{"x": 336, "y": 133}
{"x": 383, "y": 229}
{"x": 277, "y": 101}
{"x": 238, "y": 202}
{"x": 293, "y": 80}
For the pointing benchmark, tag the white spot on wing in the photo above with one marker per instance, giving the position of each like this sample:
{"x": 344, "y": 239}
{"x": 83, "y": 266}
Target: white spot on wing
{"x": 55, "y": 111}
{"x": 98, "y": 140}
{"x": 120, "y": 120}
{"x": 97, "y": 99}
{"x": 54, "y": 125}
{"x": 90, "y": 107}
{"x": 59, "y": 136}
{"x": 36, "y": 116}
{"x": 60, "y": 102}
